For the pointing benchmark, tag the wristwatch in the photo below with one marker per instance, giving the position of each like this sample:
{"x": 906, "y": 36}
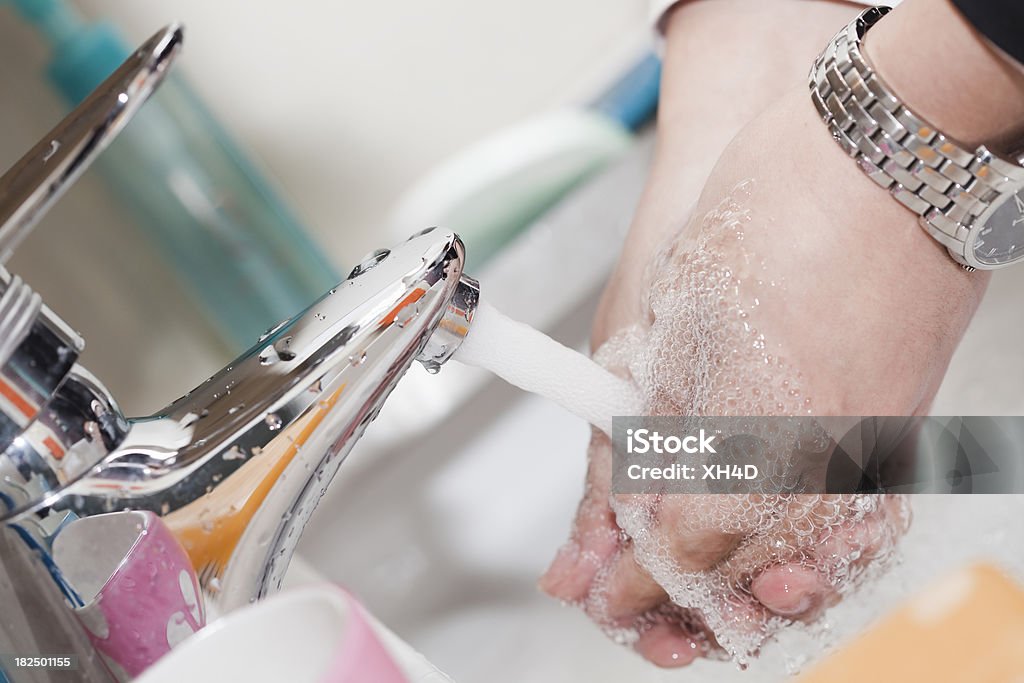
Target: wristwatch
{"x": 972, "y": 202}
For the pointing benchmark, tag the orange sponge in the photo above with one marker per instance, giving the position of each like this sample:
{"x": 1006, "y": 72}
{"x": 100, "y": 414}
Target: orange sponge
{"x": 965, "y": 628}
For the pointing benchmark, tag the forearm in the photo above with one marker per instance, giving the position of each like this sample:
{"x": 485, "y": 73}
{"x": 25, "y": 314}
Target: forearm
{"x": 713, "y": 84}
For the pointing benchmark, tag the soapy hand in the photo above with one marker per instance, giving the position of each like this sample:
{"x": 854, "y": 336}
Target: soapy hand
{"x": 791, "y": 288}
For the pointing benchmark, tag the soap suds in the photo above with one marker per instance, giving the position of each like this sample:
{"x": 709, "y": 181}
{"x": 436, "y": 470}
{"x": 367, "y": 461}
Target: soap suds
{"x": 701, "y": 352}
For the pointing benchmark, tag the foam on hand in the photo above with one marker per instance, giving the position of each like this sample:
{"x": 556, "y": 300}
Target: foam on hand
{"x": 535, "y": 362}
{"x": 704, "y": 348}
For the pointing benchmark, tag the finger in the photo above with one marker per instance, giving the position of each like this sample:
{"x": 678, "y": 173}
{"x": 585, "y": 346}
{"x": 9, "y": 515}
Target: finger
{"x": 667, "y": 645}
{"x": 777, "y": 564}
{"x": 699, "y": 549}
{"x": 624, "y": 590}
{"x": 595, "y": 537}
{"x": 694, "y": 531}
{"x": 803, "y": 588}
{"x": 856, "y": 543}
{"x": 578, "y": 562}
{"x": 790, "y": 590}
{"x": 673, "y": 533}
{"x": 776, "y": 577}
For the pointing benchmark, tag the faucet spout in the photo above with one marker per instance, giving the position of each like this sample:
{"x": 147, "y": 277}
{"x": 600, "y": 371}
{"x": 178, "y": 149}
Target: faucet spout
{"x": 236, "y": 467}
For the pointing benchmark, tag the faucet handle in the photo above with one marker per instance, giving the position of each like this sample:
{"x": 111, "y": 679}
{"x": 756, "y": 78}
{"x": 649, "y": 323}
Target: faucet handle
{"x": 40, "y": 177}
{"x": 56, "y": 420}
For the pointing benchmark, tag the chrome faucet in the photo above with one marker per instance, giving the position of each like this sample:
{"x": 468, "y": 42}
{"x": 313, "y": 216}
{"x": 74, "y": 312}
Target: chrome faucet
{"x": 235, "y": 467}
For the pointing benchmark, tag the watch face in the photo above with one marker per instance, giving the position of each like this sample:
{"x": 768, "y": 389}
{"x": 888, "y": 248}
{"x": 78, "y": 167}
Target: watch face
{"x": 1000, "y": 240}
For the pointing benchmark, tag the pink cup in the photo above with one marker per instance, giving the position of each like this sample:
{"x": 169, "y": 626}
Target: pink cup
{"x": 361, "y": 656}
{"x": 140, "y": 592}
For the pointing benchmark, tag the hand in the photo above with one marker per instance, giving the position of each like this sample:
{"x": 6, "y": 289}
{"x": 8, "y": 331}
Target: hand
{"x": 864, "y": 314}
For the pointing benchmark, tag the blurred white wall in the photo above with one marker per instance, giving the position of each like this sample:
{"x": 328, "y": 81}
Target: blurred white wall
{"x": 346, "y": 103}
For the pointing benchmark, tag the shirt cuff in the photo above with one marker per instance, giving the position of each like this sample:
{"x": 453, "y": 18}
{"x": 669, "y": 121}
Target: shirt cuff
{"x": 655, "y": 15}
{"x": 657, "y": 9}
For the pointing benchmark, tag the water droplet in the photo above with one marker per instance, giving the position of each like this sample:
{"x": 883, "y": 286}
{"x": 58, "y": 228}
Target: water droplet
{"x": 234, "y": 453}
{"x": 270, "y": 331}
{"x": 369, "y": 262}
{"x": 407, "y": 314}
{"x": 268, "y": 356}
{"x": 357, "y": 359}
{"x": 92, "y": 431}
{"x": 283, "y": 349}
{"x": 273, "y": 422}
{"x": 54, "y": 146}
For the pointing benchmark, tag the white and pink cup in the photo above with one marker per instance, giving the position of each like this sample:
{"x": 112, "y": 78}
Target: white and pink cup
{"x": 312, "y": 634}
{"x": 140, "y": 592}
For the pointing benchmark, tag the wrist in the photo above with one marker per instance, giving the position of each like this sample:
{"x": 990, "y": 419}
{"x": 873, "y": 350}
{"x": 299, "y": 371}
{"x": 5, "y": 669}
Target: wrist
{"x": 851, "y": 209}
{"x": 723, "y": 61}
{"x": 948, "y": 73}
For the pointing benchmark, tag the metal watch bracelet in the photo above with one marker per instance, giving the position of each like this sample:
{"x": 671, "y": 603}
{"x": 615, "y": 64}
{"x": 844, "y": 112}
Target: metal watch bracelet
{"x": 941, "y": 181}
